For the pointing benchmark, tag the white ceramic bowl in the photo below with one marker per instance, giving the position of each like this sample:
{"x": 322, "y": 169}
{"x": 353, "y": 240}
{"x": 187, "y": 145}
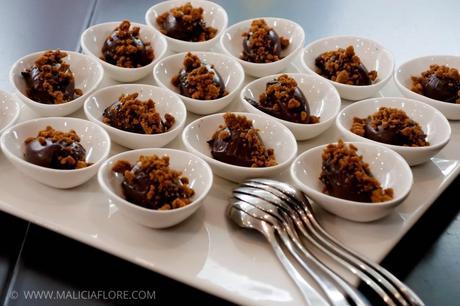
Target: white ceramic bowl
{"x": 229, "y": 69}
{"x": 373, "y": 56}
{"x": 418, "y": 65}
{"x": 94, "y": 139}
{"x": 9, "y": 110}
{"x": 165, "y": 102}
{"x": 92, "y": 40}
{"x": 387, "y": 166}
{"x": 88, "y": 75}
{"x": 191, "y": 166}
{"x": 213, "y": 14}
{"x": 322, "y": 97}
{"x": 232, "y": 43}
{"x": 273, "y": 134}
{"x": 432, "y": 122}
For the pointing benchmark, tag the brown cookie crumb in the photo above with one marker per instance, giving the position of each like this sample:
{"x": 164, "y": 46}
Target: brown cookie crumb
{"x": 439, "y": 82}
{"x": 345, "y": 175}
{"x": 185, "y": 23}
{"x": 56, "y": 149}
{"x": 391, "y": 126}
{"x": 283, "y": 99}
{"x": 133, "y": 115}
{"x": 238, "y": 143}
{"x": 125, "y": 48}
{"x": 344, "y": 66}
{"x": 261, "y": 44}
{"x": 152, "y": 184}
{"x": 50, "y": 80}
{"x": 198, "y": 80}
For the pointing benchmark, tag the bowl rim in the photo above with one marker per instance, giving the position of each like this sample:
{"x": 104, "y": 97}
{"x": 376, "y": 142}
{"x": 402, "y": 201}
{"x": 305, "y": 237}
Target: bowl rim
{"x": 108, "y": 191}
{"x": 376, "y": 84}
{"x": 216, "y": 162}
{"x": 25, "y": 163}
{"x": 400, "y": 85}
{"x": 256, "y": 65}
{"x": 295, "y": 74}
{"x": 441, "y": 144}
{"x": 77, "y": 100}
{"x": 216, "y": 38}
{"x": 112, "y": 129}
{"x": 115, "y": 67}
{"x": 241, "y": 75}
{"x": 17, "y": 109}
{"x": 317, "y": 193}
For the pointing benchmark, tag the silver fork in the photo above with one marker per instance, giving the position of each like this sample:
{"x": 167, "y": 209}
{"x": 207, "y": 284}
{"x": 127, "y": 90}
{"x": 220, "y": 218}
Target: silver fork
{"x": 247, "y": 221}
{"x": 297, "y": 199}
{"x": 337, "y": 291}
{"x": 258, "y": 197}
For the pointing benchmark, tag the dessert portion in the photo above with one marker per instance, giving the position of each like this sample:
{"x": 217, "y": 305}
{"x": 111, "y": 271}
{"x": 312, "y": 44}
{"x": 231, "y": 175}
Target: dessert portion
{"x": 391, "y": 126}
{"x": 185, "y": 23}
{"x": 439, "y": 82}
{"x": 125, "y": 48}
{"x": 56, "y": 149}
{"x": 152, "y": 184}
{"x": 50, "y": 80}
{"x": 284, "y": 100}
{"x": 261, "y": 44}
{"x": 344, "y": 66}
{"x": 345, "y": 175}
{"x": 199, "y": 80}
{"x": 133, "y": 115}
{"x": 238, "y": 143}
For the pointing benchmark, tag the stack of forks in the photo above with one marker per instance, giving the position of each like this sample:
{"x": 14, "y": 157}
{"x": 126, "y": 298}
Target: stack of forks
{"x": 285, "y": 217}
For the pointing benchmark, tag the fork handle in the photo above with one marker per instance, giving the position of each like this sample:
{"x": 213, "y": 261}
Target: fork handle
{"x": 311, "y": 296}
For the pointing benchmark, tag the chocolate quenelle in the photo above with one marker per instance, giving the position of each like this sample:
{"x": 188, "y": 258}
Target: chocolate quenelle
{"x": 50, "y": 80}
{"x": 284, "y": 100}
{"x": 238, "y": 143}
{"x": 345, "y": 175}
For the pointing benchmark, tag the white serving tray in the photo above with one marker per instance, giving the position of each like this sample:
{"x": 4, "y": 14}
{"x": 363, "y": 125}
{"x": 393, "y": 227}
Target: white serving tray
{"x": 207, "y": 251}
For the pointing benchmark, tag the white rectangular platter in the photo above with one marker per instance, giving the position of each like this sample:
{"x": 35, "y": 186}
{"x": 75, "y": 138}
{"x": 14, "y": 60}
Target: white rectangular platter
{"x": 207, "y": 251}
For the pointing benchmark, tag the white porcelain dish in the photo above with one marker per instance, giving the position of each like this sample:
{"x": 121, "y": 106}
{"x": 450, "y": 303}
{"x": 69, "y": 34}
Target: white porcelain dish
{"x": 9, "y": 110}
{"x": 88, "y": 74}
{"x": 322, "y": 97}
{"x": 273, "y": 134}
{"x": 92, "y": 40}
{"x": 418, "y": 65}
{"x": 213, "y": 14}
{"x": 432, "y": 122}
{"x": 228, "y": 68}
{"x": 372, "y": 54}
{"x": 94, "y": 139}
{"x": 387, "y": 166}
{"x": 194, "y": 168}
{"x": 232, "y": 44}
{"x": 165, "y": 102}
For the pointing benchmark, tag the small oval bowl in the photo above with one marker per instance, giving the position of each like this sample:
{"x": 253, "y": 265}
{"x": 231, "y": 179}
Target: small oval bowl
{"x": 415, "y": 67}
{"x": 165, "y": 102}
{"x": 92, "y": 40}
{"x": 373, "y": 55}
{"x": 322, "y": 97}
{"x": 433, "y": 123}
{"x": 193, "y": 167}
{"x": 94, "y": 139}
{"x": 229, "y": 69}
{"x": 213, "y": 14}
{"x": 88, "y": 75}
{"x": 386, "y": 165}
{"x": 232, "y": 44}
{"x": 273, "y": 134}
{"x": 9, "y": 110}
